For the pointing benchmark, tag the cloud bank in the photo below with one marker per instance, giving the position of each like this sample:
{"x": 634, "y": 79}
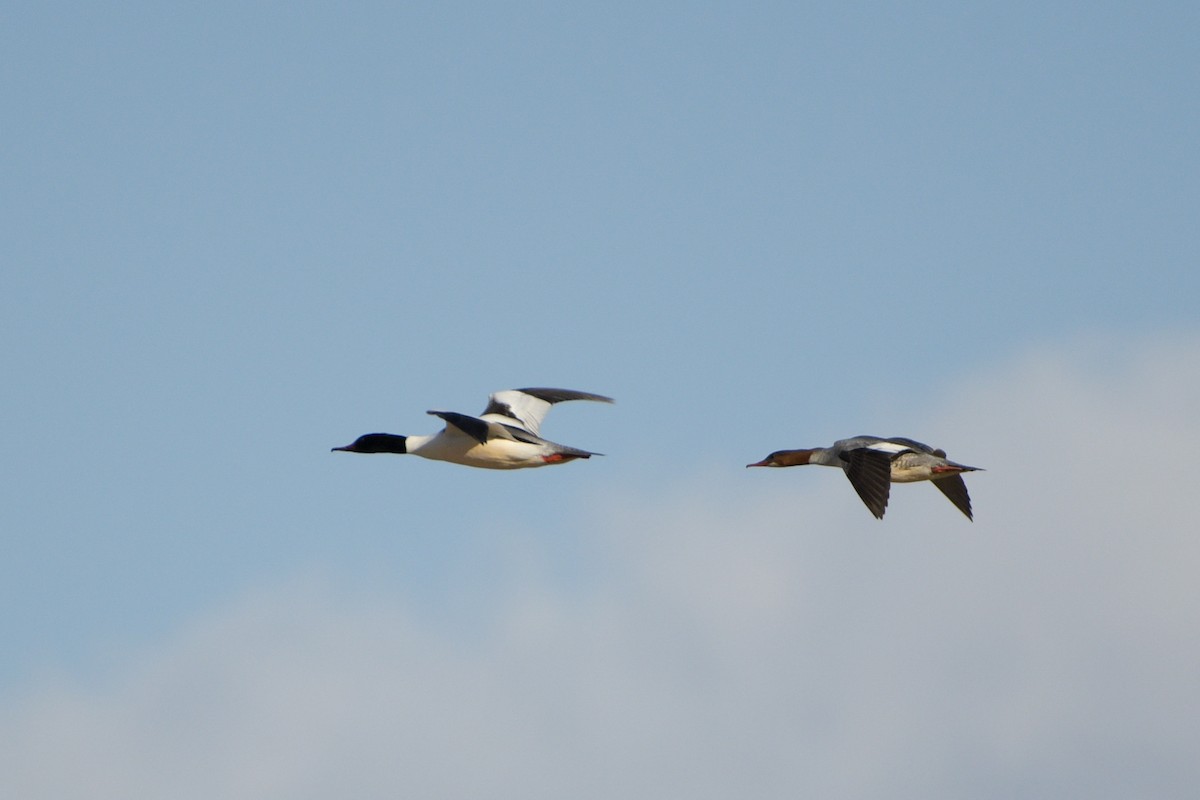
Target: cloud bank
{"x": 753, "y": 636}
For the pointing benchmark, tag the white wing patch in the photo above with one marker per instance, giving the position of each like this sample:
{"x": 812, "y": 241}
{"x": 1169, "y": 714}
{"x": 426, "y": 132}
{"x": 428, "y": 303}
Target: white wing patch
{"x": 511, "y": 407}
{"x": 888, "y": 447}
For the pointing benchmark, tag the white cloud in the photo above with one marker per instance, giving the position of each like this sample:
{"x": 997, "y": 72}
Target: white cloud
{"x": 753, "y": 634}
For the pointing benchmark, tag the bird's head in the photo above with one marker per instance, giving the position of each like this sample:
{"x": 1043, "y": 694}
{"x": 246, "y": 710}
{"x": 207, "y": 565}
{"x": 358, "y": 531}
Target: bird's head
{"x": 375, "y": 443}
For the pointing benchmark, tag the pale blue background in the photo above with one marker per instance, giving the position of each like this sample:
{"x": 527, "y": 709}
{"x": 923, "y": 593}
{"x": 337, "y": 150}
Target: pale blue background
{"x": 236, "y": 235}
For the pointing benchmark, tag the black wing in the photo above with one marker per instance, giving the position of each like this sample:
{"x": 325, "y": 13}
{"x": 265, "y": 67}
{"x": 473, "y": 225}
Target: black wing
{"x": 478, "y": 429}
{"x": 562, "y": 395}
{"x": 870, "y": 473}
{"x": 955, "y": 489}
{"x": 482, "y": 431}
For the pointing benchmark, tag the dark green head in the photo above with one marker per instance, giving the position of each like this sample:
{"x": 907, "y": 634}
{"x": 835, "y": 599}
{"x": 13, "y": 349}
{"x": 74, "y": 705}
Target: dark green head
{"x": 375, "y": 443}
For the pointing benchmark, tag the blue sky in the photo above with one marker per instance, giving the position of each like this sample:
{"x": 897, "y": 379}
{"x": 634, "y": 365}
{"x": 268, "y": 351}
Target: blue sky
{"x": 237, "y": 235}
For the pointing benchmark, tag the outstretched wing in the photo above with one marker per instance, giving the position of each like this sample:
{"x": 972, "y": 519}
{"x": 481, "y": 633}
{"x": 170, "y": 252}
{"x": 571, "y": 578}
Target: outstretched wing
{"x": 955, "y": 489}
{"x": 526, "y": 408}
{"x": 870, "y": 473}
{"x": 482, "y": 430}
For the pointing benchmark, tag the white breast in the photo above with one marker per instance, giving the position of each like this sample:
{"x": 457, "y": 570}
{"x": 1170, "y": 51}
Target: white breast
{"x": 459, "y": 448}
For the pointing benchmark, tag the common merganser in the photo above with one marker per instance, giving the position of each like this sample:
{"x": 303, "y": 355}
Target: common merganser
{"x": 504, "y": 436}
{"x": 873, "y": 464}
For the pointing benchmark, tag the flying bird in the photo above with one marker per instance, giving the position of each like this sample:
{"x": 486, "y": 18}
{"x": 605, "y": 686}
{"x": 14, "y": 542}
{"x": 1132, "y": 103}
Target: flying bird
{"x": 873, "y": 464}
{"x": 505, "y": 436}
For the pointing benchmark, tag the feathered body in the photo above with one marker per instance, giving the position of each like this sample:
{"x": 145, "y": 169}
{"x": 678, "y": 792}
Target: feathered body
{"x": 873, "y": 463}
{"x": 505, "y": 436}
